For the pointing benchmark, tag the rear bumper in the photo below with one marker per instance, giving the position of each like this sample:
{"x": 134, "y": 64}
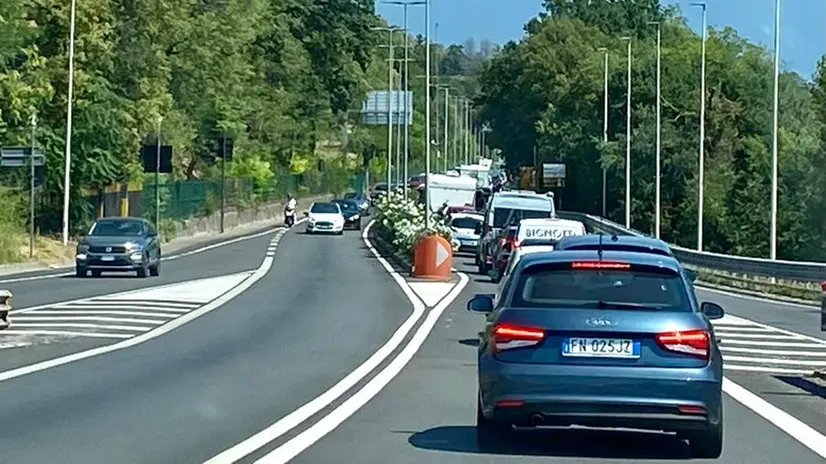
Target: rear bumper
{"x": 590, "y": 396}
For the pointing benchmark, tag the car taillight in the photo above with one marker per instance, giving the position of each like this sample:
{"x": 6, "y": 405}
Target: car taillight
{"x": 508, "y": 337}
{"x": 691, "y": 342}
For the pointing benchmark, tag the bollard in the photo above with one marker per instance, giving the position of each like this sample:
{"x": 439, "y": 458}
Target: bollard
{"x": 432, "y": 258}
{"x": 5, "y": 308}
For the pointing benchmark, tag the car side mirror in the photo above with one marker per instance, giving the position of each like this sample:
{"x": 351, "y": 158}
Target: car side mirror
{"x": 306, "y": 213}
{"x": 712, "y": 310}
{"x": 480, "y": 304}
{"x": 691, "y": 274}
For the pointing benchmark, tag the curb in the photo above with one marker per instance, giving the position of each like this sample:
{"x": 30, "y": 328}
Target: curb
{"x": 386, "y": 250}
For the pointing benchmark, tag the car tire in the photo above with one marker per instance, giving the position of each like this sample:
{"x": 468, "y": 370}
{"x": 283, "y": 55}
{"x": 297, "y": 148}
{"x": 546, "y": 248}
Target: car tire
{"x": 155, "y": 270}
{"x": 491, "y": 434}
{"x": 81, "y": 271}
{"x": 143, "y": 272}
{"x": 341, "y": 232}
{"x": 707, "y": 444}
{"x": 96, "y": 273}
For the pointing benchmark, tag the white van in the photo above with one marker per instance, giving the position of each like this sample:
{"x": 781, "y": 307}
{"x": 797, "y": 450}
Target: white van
{"x": 547, "y": 231}
{"x": 509, "y": 208}
{"x": 453, "y": 190}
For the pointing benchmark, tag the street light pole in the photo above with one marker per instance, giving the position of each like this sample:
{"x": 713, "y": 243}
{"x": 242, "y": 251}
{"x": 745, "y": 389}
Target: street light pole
{"x": 628, "y": 142}
{"x": 447, "y": 127}
{"x": 427, "y": 113}
{"x": 605, "y": 130}
{"x": 701, "y": 164}
{"x": 68, "y": 163}
{"x": 658, "y": 169}
{"x": 390, "y": 113}
{"x": 773, "y": 234}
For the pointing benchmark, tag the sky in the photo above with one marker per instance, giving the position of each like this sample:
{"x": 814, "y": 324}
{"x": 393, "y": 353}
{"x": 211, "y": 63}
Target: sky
{"x": 802, "y": 23}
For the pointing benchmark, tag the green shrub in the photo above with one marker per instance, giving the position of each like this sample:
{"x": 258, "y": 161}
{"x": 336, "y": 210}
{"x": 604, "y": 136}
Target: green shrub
{"x": 12, "y": 225}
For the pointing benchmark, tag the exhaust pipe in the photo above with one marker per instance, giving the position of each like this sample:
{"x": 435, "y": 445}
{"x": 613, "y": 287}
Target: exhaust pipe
{"x": 537, "y": 419}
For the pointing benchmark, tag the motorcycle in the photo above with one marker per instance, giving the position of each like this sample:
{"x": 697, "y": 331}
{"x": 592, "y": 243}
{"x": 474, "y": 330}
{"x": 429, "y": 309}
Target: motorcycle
{"x": 289, "y": 216}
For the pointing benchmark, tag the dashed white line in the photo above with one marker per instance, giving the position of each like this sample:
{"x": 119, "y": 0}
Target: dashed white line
{"x": 66, "y": 333}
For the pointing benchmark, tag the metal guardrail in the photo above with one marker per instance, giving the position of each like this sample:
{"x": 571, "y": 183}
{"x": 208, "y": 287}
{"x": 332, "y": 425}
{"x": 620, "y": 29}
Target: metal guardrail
{"x": 799, "y": 271}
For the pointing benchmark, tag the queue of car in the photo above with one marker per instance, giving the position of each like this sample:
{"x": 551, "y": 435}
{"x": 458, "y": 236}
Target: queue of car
{"x": 590, "y": 330}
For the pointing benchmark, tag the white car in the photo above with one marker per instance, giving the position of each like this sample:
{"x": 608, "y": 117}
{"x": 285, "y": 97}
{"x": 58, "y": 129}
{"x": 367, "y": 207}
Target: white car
{"x": 465, "y": 227}
{"x": 325, "y": 217}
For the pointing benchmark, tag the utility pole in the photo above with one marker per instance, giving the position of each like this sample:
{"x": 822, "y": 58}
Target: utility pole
{"x": 447, "y": 127}
{"x": 158, "y": 175}
{"x": 628, "y": 143}
{"x": 605, "y": 131}
{"x": 773, "y": 233}
{"x": 68, "y": 158}
{"x": 31, "y": 186}
{"x": 427, "y": 113}
{"x": 658, "y": 162}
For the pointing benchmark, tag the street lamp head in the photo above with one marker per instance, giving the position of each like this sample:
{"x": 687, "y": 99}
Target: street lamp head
{"x": 602, "y": 49}
{"x": 626, "y": 37}
{"x": 699, "y": 4}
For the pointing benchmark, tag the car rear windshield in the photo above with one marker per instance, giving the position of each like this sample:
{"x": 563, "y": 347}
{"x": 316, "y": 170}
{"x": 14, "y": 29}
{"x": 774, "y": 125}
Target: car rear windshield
{"x": 325, "y": 208}
{"x": 560, "y": 286}
{"x": 465, "y": 223}
{"x": 117, "y": 228}
{"x": 503, "y": 216}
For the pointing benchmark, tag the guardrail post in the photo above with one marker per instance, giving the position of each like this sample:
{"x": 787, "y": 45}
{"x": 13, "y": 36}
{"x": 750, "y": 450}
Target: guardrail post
{"x": 823, "y": 306}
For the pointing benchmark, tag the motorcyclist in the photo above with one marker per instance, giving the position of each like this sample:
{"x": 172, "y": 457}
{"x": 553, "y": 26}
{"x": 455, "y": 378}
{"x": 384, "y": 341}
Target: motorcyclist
{"x": 289, "y": 210}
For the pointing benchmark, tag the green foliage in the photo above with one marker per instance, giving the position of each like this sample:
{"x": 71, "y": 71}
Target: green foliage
{"x": 546, "y": 91}
{"x": 12, "y": 227}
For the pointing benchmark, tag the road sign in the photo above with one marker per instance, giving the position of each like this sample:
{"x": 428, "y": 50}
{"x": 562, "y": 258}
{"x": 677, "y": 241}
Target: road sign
{"x": 15, "y": 157}
{"x": 149, "y": 155}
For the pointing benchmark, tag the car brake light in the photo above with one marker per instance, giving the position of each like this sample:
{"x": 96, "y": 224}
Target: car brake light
{"x": 599, "y": 265}
{"x": 507, "y": 337}
{"x": 691, "y": 342}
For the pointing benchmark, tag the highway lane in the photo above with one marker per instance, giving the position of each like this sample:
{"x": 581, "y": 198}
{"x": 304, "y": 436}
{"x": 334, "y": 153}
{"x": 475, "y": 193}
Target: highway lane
{"x": 229, "y": 259}
{"x": 427, "y": 414}
{"x": 320, "y": 311}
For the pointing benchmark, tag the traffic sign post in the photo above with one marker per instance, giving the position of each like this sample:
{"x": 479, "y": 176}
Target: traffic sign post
{"x": 31, "y": 157}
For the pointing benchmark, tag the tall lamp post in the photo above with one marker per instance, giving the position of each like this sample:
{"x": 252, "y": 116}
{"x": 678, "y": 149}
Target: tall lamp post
{"x": 604, "y": 128}
{"x": 701, "y": 165}
{"x": 427, "y": 112}
{"x": 658, "y": 156}
{"x": 68, "y": 158}
{"x": 390, "y": 31}
{"x": 773, "y": 233}
{"x": 628, "y": 141}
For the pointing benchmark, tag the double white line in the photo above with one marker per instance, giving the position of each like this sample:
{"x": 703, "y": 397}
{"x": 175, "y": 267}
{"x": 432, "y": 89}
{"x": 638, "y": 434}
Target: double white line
{"x": 329, "y": 422}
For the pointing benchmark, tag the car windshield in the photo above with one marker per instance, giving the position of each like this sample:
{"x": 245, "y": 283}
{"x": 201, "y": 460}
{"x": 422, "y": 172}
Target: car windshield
{"x": 348, "y": 206}
{"x": 503, "y": 216}
{"x": 351, "y": 196}
{"x": 465, "y": 222}
{"x": 379, "y": 187}
{"x": 542, "y": 286}
{"x": 325, "y": 208}
{"x": 116, "y": 229}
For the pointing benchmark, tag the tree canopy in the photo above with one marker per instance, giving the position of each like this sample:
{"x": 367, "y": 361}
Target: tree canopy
{"x": 546, "y": 91}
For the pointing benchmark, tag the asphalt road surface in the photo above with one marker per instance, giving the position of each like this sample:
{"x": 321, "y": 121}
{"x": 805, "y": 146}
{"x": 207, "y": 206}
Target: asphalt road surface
{"x": 325, "y": 305}
{"x": 427, "y": 413}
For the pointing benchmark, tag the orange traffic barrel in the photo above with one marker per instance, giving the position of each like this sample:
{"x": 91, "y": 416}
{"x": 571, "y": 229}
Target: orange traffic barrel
{"x": 432, "y": 258}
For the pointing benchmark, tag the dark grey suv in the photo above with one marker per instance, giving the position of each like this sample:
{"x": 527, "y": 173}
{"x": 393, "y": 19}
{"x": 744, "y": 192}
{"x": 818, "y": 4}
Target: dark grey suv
{"x": 125, "y": 244}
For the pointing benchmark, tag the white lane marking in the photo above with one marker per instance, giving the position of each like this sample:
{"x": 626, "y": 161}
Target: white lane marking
{"x": 773, "y": 352}
{"x": 311, "y": 408}
{"x": 791, "y": 362}
{"x": 769, "y": 370}
{"x": 752, "y": 336}
{"x": 84, "y": 312}
{"x": 118, "y": 306}
{"x": 163, "y": 259}
{"x": 259, "y": 273}
{"x": 80, "y": 325}
{"x": 69, "y": 317}
{"x": 741, "y": 329}
{"x": 783, "y": 331}
{"x": 328, "y": 423}
{"x": 67, "y": 333}
{"x": 767, "y": 343}
{"x": 807, "y": 436}
{"x": 126, "y": 299}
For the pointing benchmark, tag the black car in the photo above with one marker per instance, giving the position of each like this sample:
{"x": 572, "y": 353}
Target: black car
{"x": 351, "y": 212}
{"x": 121, "y": 244}
{"x": 361, "y": 200}
{"x": 378, "y": 191}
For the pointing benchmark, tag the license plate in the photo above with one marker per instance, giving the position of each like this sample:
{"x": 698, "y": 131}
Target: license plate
{"x": 601, "y": 348}
{"x": 468, "y": 242}
{"x": 107, "y": 258}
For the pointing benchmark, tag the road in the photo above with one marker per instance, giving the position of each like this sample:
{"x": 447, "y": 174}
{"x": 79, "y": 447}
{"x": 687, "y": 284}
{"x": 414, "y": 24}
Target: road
{"x": 427, "y": 414}
{"x": 324, "y": 306}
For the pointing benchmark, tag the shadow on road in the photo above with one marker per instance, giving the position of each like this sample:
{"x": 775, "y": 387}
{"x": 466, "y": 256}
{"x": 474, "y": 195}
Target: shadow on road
{"x": 561, "y": 443}
{"x": 806, "y": 385}
{"x": 469, "y": 342}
